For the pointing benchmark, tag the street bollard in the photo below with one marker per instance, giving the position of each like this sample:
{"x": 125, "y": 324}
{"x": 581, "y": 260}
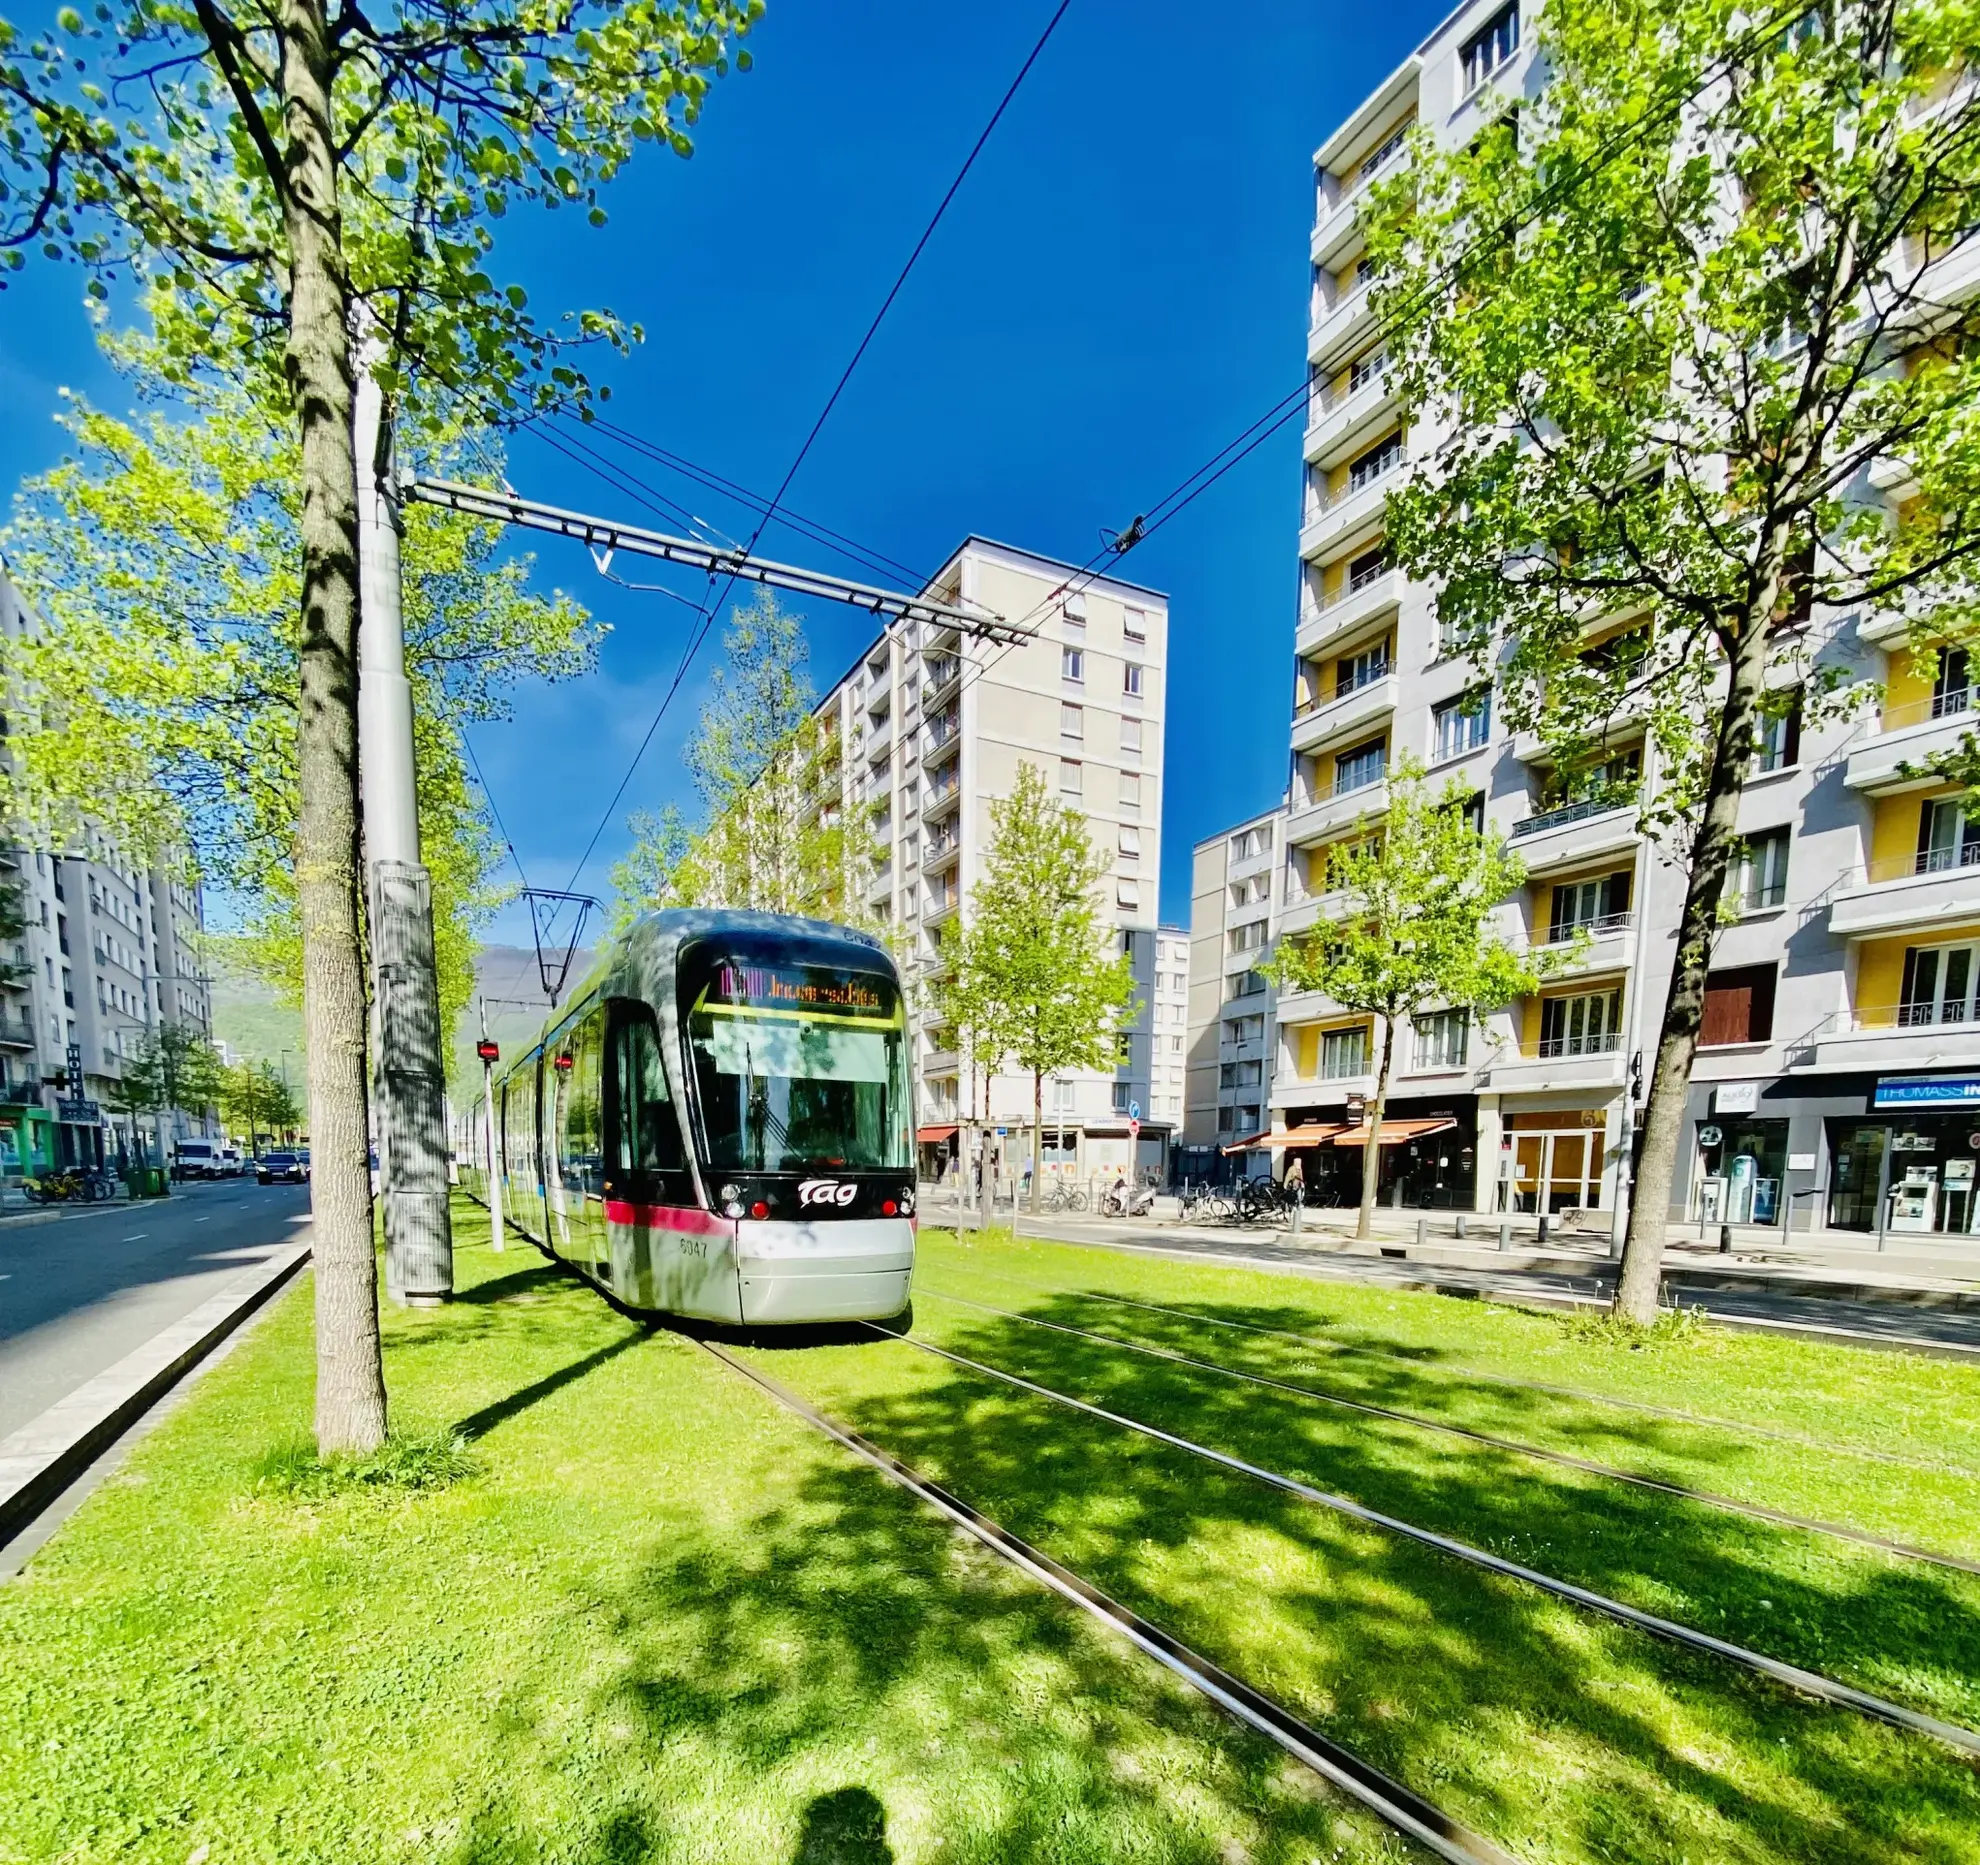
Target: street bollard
{"x": 1505, "y": 1233}
{"x": 1461, "y": 1230}
{"x": 1543, "y": 1230}
{"x": 1725, "y": 1239}
{"x": 1422, "y": 1232}
{"x": 1299, "y": 1206}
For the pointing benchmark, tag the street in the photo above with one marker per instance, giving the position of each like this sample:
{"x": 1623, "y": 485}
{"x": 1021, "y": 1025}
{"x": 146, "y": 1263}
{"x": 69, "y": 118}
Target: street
{"x": 78, "y": 1294}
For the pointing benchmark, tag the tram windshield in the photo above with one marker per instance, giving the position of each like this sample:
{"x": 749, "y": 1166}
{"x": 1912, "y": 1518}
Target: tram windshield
{"x": 798, "y": 1067}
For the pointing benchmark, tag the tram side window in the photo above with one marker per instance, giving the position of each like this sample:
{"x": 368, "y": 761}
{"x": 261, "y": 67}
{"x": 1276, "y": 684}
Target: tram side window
{"x": 649, "y": 1130}
{"x": 581, "y": 1107}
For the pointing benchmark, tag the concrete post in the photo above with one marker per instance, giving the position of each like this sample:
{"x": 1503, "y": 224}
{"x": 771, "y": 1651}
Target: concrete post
{"x": 409, "y": 1070}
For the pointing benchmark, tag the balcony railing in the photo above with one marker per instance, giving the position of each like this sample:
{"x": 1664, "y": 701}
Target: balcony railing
{"x": 1925, "y": 861}
{"x": 941, "y": 793}
{"x": 943, "y": 731}
{"x": 1353, "y": 586}
{"x": 1347, "y": 782}
{"x": 1568, "y": 812}
{"x": 1606, "y": 1043}
{"x": 1920, "y": 1015}
{"x": 1922, "y": 711}
{"x": 1601, "y": 926}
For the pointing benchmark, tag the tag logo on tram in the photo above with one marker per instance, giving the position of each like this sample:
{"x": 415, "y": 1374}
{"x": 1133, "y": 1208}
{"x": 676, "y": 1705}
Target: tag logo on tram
{"x": 826, "y": 1191}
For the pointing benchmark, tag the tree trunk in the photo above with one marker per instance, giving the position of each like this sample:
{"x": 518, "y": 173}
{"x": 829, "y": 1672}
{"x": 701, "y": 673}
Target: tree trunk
{"x": 350, "y": 1381}
{"x": 1684, "y": 1008}
{"x": 1371, "y": 1154}
{"x": 1037, "y": 1137}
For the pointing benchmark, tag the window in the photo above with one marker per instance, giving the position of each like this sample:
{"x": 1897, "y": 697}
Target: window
{"x": 1074, "y": 608}
{"x": 1378, "y": 460}
{"x": 1486, "y": 50}
{"x": 1062, "y": 1095}
{"x": 1598, "y": 905}
{"x": 1244, "y": 1029}
{"x": 1130, "y": 792}
{"x": 1343, "y": 1053}
{"x": 1739, "y": 1006}
{"x": 1442, "y": 1038}
{"x": 1072, "y": 721}
{"x": 1355, "y": 671}
{"x": 577, "y": 1081}
{"x": 1364, "y": 765}
{"x": 1227, "y": 1120}
{"x": 1245, "y": 984}
{"x": 1072, "y": 663}
{"x": 1127, "y": 893}
{"x": 1763, "y": 868}
{"x": 1131, "y": 735}
{"x": 1134, "y": 624}
{"x": 1131, "y": 679}
{"x": 647, "y": 1141}
{"x": 1072, "y": 776}
{"x": 1175, "y": 1045}
{"x": 1947, "y": 836}
{"x": 1463, "y": 724}
{"x": 1123, "y": 1094}
{"x": 1251, "y": 843}
{"x": 1941, "y": 983}
{"x": 1364, "y": 369}
{"x": 1130, "y": 840}
{"x": 1248, "y": 938}
{"x": 1587, "y": 1024}
{"x": 1777, "y": 735}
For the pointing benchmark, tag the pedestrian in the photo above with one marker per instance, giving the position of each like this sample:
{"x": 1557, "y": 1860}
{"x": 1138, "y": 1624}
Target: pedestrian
{"x": 1296, "y": 1180}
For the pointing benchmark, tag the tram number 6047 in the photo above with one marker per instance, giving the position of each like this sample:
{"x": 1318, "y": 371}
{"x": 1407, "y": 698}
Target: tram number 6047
{"x": 826, "y": 1191}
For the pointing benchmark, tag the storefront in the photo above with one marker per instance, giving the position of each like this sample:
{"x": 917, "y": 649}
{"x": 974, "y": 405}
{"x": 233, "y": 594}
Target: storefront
{"x": 1910, "y": 1166}
{"x": 1429, "y": 1152}
{"x": 1552, "y": 1159}
{"x": 935, "y": 1151}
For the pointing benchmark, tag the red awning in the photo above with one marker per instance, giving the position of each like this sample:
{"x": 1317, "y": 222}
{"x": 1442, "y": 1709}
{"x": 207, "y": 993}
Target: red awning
{"x": 932, "y": 1136}
{"x": 1310, "y": 1135}
{"x": 1394, "y": 1132}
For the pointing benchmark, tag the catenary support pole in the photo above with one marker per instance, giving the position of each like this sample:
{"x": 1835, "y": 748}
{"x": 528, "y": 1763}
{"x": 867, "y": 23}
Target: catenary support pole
{"x": 491, "y": 1138}
{"x": 408, "y": 1072}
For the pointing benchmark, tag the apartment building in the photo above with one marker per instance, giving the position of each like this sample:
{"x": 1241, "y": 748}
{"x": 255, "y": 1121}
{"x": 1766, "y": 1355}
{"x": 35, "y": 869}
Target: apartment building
{"x": 1839, "y": 1077}
{"x": 106, "y": 952}
{"x": 1170, "y": 1010}
{"x": 934, "y": 726}
{"x": 1235, "y": 898}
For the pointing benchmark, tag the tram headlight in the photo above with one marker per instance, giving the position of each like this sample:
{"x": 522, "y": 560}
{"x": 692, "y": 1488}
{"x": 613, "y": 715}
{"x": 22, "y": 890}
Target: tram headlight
{"x": 733, "y": 1208}
{"x": 729, "y": 1194}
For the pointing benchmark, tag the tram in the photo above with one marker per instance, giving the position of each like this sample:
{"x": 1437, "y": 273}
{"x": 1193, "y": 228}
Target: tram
{"x": 719, "y": 1123}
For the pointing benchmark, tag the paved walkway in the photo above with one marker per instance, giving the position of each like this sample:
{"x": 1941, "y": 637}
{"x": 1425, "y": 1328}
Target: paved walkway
{"x": 79, "y": 1293}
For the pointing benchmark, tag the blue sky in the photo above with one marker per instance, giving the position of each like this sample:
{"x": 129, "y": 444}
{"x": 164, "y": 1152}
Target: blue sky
{"x": 1119, "y": 287}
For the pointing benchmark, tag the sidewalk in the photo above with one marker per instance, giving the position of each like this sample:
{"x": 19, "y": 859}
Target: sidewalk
{"x": 1834, "y": 1265}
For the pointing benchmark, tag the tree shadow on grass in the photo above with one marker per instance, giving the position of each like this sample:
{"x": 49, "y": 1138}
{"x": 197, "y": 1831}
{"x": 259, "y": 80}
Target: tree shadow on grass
{"x": 511, "y": 1405}
{"x": 1562, "y": 1734}
{"x": 845, "y": 1827}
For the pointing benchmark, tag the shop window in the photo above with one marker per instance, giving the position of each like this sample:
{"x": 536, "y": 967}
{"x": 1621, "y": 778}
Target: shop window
{"x": 1742, "y": 1163}
{"x": 1739, "y": 1006}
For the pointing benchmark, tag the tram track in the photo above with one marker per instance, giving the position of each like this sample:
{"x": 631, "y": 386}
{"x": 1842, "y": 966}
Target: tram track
{"x": 1562, "y": 1459}
{"x": 1643, "y": 1407}
{"x": 1811, "y": 1684}
{"x": 1399, "y": 1807}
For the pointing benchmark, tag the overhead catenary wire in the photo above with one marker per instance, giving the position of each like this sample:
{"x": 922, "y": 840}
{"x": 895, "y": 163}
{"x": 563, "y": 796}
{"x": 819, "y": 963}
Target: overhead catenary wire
{"x": 715, "y": 605}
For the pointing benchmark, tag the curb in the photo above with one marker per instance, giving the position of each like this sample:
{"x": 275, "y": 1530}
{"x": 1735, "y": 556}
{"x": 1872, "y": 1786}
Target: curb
{"x": 39, "y": 1461}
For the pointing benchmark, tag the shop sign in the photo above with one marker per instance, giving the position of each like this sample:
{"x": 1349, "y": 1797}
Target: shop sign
{"x": 1709, "y": 1136}
{"x": 78, "y": 1113}
{"x": 1927, "y": 1091}
{"x": 1736, "y": 1097}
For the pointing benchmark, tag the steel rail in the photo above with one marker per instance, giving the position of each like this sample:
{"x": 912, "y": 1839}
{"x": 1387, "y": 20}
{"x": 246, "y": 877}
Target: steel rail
{"x": 712, "y": 559}
{"x": 1897, "y": 1459}
{"x": 1808, "y": 1683}
{"x": 1389, "y": 1800}
{"x": 1566, "y": 1459}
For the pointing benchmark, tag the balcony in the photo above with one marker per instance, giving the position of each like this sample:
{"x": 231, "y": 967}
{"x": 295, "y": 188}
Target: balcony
{"x": 1891, "y": 1036}
{"x": 1364, "y": 598}
{"x": 1611, "y": 944}
{"x": 1939, "y": 887}
{"x": 1339, "y": 326}
{"x": 944, "y": 670}
{"x": 944, "y": 730}
{"x": 1355, "y": 514}
{"x": 942, "y": 850}
{"x": 941, "y": 797}
{"x": 941, "y": 903}
{"x": 1565, "y": 1062}
{"x": 1349, "y": 710}
{"x": 1577, "y": 832}
{"x": 1342, "y": 421}
{"x": 1909, "y": 735}
{"x": 1319, "y": 815}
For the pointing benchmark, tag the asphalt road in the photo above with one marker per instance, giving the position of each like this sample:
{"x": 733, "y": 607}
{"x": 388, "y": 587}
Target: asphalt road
{"x": 78, "y": 1294}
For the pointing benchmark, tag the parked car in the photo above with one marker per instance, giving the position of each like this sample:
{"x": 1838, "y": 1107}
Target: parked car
{"x": 289, "y": 1168}
{"x": 196, "y": 1159}
{"x": 232, "y": 1165}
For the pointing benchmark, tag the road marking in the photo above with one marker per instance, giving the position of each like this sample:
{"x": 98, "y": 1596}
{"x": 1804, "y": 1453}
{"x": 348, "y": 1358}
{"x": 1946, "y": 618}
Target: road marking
{"x": 137, "y": 1236}
{"x": 199, "y": 1220}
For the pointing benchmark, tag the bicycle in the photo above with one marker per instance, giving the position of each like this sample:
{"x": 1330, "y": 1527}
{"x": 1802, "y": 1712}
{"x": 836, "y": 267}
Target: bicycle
{"x": 1063, "y": 1198}
{"x": 53, "y": 1188}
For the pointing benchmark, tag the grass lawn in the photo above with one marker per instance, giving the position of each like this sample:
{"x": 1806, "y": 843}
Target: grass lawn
{"x": 665, "y": 1621}
{"x": 1565, "y": 1736}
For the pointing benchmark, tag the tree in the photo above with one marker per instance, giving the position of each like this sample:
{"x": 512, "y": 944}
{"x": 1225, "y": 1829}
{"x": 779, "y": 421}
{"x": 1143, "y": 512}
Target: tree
{"x": 1421, "y": 886}
{"x": 298, "y": 167}
{"x": 1647, "y": 376}
{"x": 1050, "y": 986}
{"x": 173, "y": 1067}
{"x": 162, "y": 561}
{"x": 964, "y": 997}
{"x": 774, "y": 835}
{"x": 255, "y": 1099}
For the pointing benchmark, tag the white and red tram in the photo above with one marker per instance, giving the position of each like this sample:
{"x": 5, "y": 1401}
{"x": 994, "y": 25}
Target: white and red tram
{"x": 719, "y": 1123}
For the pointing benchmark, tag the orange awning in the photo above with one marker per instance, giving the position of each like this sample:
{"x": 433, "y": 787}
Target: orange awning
{"x": 1394, "y": 1132}
{"x": 1311, "y": 1135}
{"x": 929, "y": 1136}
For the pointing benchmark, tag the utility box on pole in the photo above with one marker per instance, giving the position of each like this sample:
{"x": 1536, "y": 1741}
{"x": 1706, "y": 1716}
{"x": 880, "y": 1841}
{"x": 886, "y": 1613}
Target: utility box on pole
{"x": 409, "y": 1072}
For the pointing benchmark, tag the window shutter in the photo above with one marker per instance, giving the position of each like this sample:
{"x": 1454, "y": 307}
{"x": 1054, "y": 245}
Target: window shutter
{"x": 1615, "y": 894}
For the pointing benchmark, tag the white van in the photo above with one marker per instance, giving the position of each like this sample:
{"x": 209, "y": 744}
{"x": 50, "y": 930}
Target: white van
{"x": 196, "y": 1159}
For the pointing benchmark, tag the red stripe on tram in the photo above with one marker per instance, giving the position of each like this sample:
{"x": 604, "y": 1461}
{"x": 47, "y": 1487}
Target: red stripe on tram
{"x": 690, "y": 1219}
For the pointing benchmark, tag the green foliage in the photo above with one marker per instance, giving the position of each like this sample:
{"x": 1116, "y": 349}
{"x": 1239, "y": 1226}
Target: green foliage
{"x": 406, "y": 1463}
{"x": 256, "y": 1100}
{"x": 966, "y": 1001}
{"x": 1673, "y": 1327}
{"x": 443, "y": 119}
{"x": 1416, "y": 929}
{"x": 164, "y": 562}
{"x": 772, "y": 834}
{"x": 1046, "y": 981}
{"x": 173, "y": 1066}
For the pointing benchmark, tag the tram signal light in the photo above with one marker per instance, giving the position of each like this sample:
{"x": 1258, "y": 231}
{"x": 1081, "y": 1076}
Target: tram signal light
{"x": 565, "y": 1063}
{"x": 488, "y": 1051}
